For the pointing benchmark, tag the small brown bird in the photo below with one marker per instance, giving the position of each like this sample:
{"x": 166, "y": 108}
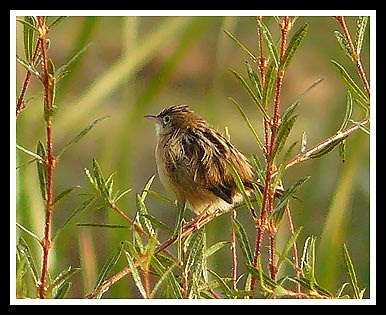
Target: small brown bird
{"x": 192, "y": 157}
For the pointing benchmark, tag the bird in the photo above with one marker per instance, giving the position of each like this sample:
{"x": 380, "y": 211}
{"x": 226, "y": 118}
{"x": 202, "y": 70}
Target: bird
{"x": 193, "y": 160}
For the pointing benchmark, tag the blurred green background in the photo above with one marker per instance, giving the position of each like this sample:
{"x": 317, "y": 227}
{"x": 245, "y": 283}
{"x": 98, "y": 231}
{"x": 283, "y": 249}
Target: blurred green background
{"x": 139, "y": 65}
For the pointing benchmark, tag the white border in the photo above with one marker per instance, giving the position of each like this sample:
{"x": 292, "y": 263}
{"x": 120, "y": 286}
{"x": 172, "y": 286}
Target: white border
{"x": 14, "y": 13}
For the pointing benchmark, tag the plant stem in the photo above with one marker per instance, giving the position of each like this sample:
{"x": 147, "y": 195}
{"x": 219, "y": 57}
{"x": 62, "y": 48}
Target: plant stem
{"x": 356, "y": 56}
{"x": 233, "y": 248}
{"x": 50, "y": 159}
{"x": 20, "y": 100}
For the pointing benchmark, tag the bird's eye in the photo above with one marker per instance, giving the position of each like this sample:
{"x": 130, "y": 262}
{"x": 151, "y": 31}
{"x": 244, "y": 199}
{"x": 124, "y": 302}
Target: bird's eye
{"x": 166, "y": 119}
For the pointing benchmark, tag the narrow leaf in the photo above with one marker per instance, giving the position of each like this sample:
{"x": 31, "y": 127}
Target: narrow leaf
{"x": 342, "y": 150}
{"x": 240, "y": 186}
{"x": 160, "y": 197}
{"x": 215, "y": 247}
{"x": 158, "y": 223}
{"x": 32, "y": 234}
{"x": 61, "y": 278}
{"x": 269, "y": 41}
{"x": 325, "y": 150}
{"x": 293, "y": 45}
{"x": 147, "y": 187}
{"x": 255, "y": 80}
{"x": 246, "y": 119}
{"x": 77, "y": 211}
{"x": 29, "y": 36}
{"x": 242, "y": 46}
{"x": 224, "y": 287}
{"x": 348, "y": 113}
{"x": 360, "y": 33}
{"x": 135, "y": 274}
{"x": 62, "y": 291}
{"x": 100, "y": 181}
{"x": 173, "y": 283}
{"x": 109, "y": 265}
{"x": 270, "y": 78}
{"x": 141, "y": 210}
{"x": 65, "y": 193}
{"x": 282, "y": 135}
{"x": 243, "y": 241}
{"x": 349, "y": 81}
{"x": 101, "y": 225}
{"x": 78, "y": 137}
{"x": 42, "y": 170}
{"x": 287, "y": 247}
{"x": 351, "y": 272}
{"x": 28, "y": 152}
{"x": 196, "y": 244}
{"x": 344, "y": 45}
{"x": 288, "y": 193}
{"x": 251, "y": 94}
{"x": 27, "y": 66}
{"x": 164, "y": 276}
{"x": 24, "y": 251}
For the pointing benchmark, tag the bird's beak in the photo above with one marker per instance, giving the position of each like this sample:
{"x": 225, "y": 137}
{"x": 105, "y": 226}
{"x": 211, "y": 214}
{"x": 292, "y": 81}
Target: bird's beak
{"x": 152, "y": 117}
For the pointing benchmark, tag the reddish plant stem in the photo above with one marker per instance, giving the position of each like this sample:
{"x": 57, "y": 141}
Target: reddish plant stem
{"x": 234, "y": 253}
{"x": 298, "y": 271}
{"x": 50, "y": 159}
{"x": 356, "y": 56}
{"x": 20, "y": 100}
{"x": 268, "y": 196}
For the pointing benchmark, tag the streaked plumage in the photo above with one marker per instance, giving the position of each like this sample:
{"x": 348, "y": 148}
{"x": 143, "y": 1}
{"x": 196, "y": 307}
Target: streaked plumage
{"x": 191, "y": 159}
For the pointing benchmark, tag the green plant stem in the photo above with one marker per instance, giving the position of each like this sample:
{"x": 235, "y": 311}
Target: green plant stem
{"x": 50, "y": 159}
{"x": 356, "y": 56}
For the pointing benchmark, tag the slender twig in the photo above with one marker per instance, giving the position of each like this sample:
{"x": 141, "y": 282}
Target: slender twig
{"x": 50, "y": 161}
{"x": 233, "y": 249}
{"x": 187, "y": 229}
{"x": 20, "y": 100}
{"x": 268, "y": 195}
{"x": 298, "y": 270}
{"x": 354, "y": 53}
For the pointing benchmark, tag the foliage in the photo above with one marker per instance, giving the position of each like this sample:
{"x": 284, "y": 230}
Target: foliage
{"x": 154, "y": 268}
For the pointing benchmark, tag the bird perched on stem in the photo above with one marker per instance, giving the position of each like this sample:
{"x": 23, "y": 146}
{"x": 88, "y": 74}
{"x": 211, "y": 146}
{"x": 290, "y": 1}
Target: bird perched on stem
{"x": 193, "y": 161}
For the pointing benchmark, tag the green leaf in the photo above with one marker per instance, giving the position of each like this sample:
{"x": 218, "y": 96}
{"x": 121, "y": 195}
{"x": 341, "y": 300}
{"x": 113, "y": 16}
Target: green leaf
{"x": 288, "y": 112}
{"x": 147, "y": 187}
{"x": 270, "y": 43}
{"x": 195, "y": 250}
{"x": 65, "y": 193}
{"x": 158, "y": 223}
{"x": 62, "y": 291}
{"x": 351, "y": 272}
{"x": 166, "y": 275}
{"x": 79, "y": 136}
{"x": 29, "y": 36}
{"x": 308, "y": 260}
{"x": 101, "y": 225}
{"x": 267, "y": 281}
{"x": 255, "y": 80}
{"x": 100, "y": 181}
{"x": 173, "y": 283}
{"x": 270, "y": 79}
{"x": 32, "y": 234}
{"x": 349, "y": 109}
{"x": 349, "y": 81}
{"x": 312, "y": 287}
{"x": 215, "y": 247}
{"x": 282, "y": 135}
{"x": 243, "y": 241}
{"x": 246, "y": 119}
{"x": 142, "y": 210}
{"x": 287, "y": 247}
{"x": 24, "y": 254}
{"x": 109, "y": 264}
{"x": 224, "y": 287}
{"x": 293, "y": 45}
{"x": 342, "y": 150}
{"x": 135, "y": 274}
{"x": 42, "y": 170}
{"x": 344, "y": 45}
{"x": 27, "y": 66}
{"x": 77, "y": 211}
{"x": 57, "y": 21}
{"x": 326, "y": 149}
{"x": 28, "y": 152}
{"x": 287, "y": 194}
{"x": 243, "y": 47}
{"x": 360, "y": 33}
{"x": 61, "y": 278}
{"x": 160, "y": 197}
{"x": 251, "y": 94}
{"x": 240, "y": 186}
